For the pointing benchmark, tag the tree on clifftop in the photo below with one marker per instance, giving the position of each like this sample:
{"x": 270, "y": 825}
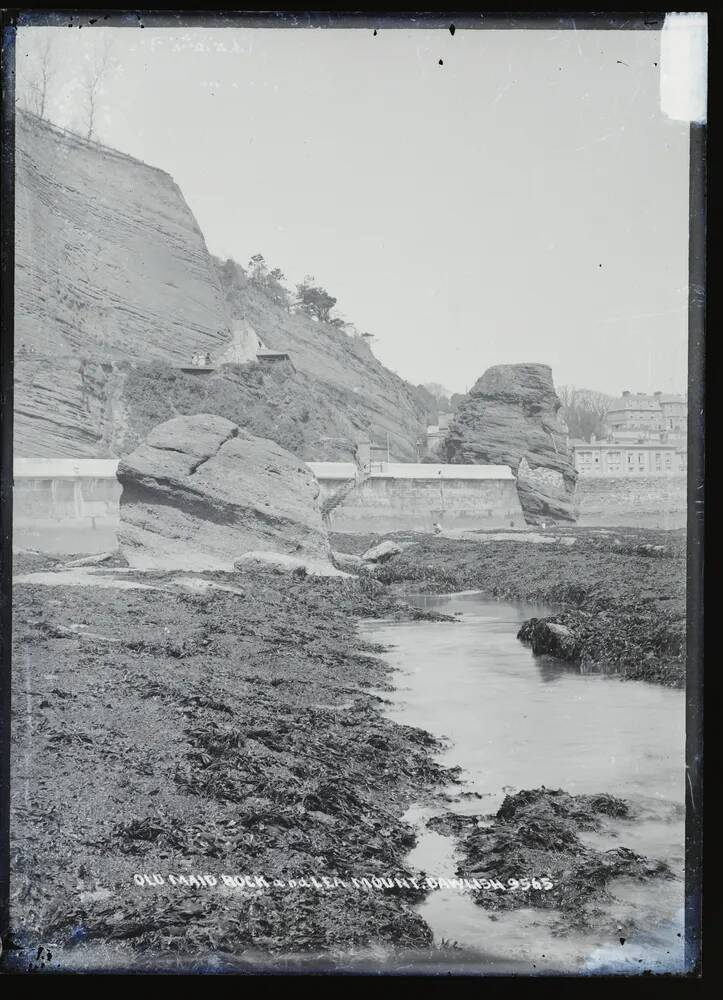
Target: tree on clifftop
{"x": 258, "y": 269}
{"x": 98, "y": 68}
{"x": 33, "y": 82}
{"x": 315, "y": 300}
{"x": 269, "y": 280}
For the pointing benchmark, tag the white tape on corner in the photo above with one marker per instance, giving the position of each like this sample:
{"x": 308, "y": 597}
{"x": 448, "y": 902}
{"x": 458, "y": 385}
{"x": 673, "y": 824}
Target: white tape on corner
{"x": 684, "y": 67}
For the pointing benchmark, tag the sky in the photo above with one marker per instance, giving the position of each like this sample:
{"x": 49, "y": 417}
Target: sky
{"x": 524, "y": 199}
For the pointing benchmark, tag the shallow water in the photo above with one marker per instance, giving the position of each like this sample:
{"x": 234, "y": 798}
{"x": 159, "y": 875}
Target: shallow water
{"x": 513, "y": 721}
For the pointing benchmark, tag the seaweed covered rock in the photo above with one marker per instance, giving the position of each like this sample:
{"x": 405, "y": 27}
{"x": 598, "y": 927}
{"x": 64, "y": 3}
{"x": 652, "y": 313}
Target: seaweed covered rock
{"x": 200, "y": 492}
{"x": 510, "y": 417}
{"x": 551, "y": 638}
{"x": 531, "y": 854}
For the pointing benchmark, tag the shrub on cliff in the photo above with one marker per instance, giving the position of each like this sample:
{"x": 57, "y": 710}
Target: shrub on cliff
{"x": 314, "y": 300}
{"x": 270, "y": 280}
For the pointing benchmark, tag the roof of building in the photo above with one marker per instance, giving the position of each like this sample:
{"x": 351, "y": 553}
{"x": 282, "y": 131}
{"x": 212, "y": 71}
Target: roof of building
{"x": 647, "y": 403}
{"x": 624, "y": 445}
{"x": 64, "y": 468}
{"x": 411, "y": 470}
{"x": 102, "y": 468}
{"x": 428, "y": 470}
{"x": 333, "y": 470}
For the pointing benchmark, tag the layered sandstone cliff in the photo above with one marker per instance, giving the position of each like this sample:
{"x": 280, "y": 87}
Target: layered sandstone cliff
{"x": 113, "y": 276}
{"x": 109, "y": 264}
{"x": 511, "y": 417}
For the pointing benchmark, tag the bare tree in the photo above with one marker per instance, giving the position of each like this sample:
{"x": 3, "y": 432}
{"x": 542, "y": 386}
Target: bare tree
{"x": 566, "y": 395}
{"x": 583, "y": 410}
{"x": 35, "y": 82}
{"x": 99, "y": 67}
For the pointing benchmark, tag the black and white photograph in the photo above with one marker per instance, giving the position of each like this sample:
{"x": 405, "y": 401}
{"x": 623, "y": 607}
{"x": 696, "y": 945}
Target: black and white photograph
{"x": 353, "y": 493}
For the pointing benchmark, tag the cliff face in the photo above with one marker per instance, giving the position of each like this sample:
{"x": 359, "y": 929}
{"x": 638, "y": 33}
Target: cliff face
{"x": 109, "y": 264}
{"x": 511, "y": 417}
{"x": 112, "y": 274}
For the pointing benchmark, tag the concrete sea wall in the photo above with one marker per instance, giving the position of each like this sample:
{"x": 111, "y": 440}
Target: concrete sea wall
{"x": 389, "y": 504}
{"x": 66, "y": 505}
{"x": 640, "y": 502}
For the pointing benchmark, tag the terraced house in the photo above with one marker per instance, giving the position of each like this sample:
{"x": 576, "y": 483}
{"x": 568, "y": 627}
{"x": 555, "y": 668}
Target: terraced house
{"x": 615, "y": 458}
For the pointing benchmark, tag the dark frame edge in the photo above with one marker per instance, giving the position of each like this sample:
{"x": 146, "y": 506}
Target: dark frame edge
{"x": 696, "y": 537}
{"x": 7, "y": 270}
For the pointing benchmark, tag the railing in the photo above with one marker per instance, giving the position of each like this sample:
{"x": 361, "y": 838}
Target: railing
{"x": 69, "y": 133}
{"x": 339, "y": 496}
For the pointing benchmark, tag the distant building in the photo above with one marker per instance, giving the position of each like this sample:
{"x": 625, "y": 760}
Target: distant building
{"x": 637, "y": 417}
{"x": 675, "y": 412}
{"x": 436, "y": 432}
{"x": 621, "y": 458}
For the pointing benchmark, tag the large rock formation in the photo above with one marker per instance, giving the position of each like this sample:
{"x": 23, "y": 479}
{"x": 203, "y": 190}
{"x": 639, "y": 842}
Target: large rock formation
{"x": 510, "y": 417}
{"x": 200, "y": 492}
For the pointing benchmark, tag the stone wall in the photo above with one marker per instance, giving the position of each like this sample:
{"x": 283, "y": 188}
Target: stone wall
{"x": 640, "y": 502}
{"x": 64, "y": 499}
{"x": 382, "y": 504}
{"x": 61, "y": 515}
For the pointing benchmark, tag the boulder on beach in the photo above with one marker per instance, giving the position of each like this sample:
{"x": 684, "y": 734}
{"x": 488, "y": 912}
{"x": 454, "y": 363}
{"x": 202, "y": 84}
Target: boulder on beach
{"x": 511, "y": 417}
{"x": 349, "y": 562}
{"x": 381, "y": 552}
{"x": 279, "y": 562}
{"x": 92, "y": 560}
{"x": 200, "y": 492}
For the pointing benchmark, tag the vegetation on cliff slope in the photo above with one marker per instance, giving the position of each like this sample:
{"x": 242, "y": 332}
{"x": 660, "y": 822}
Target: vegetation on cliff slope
{"x": 270, "y": 401}
{"x": 334, "y": 355}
